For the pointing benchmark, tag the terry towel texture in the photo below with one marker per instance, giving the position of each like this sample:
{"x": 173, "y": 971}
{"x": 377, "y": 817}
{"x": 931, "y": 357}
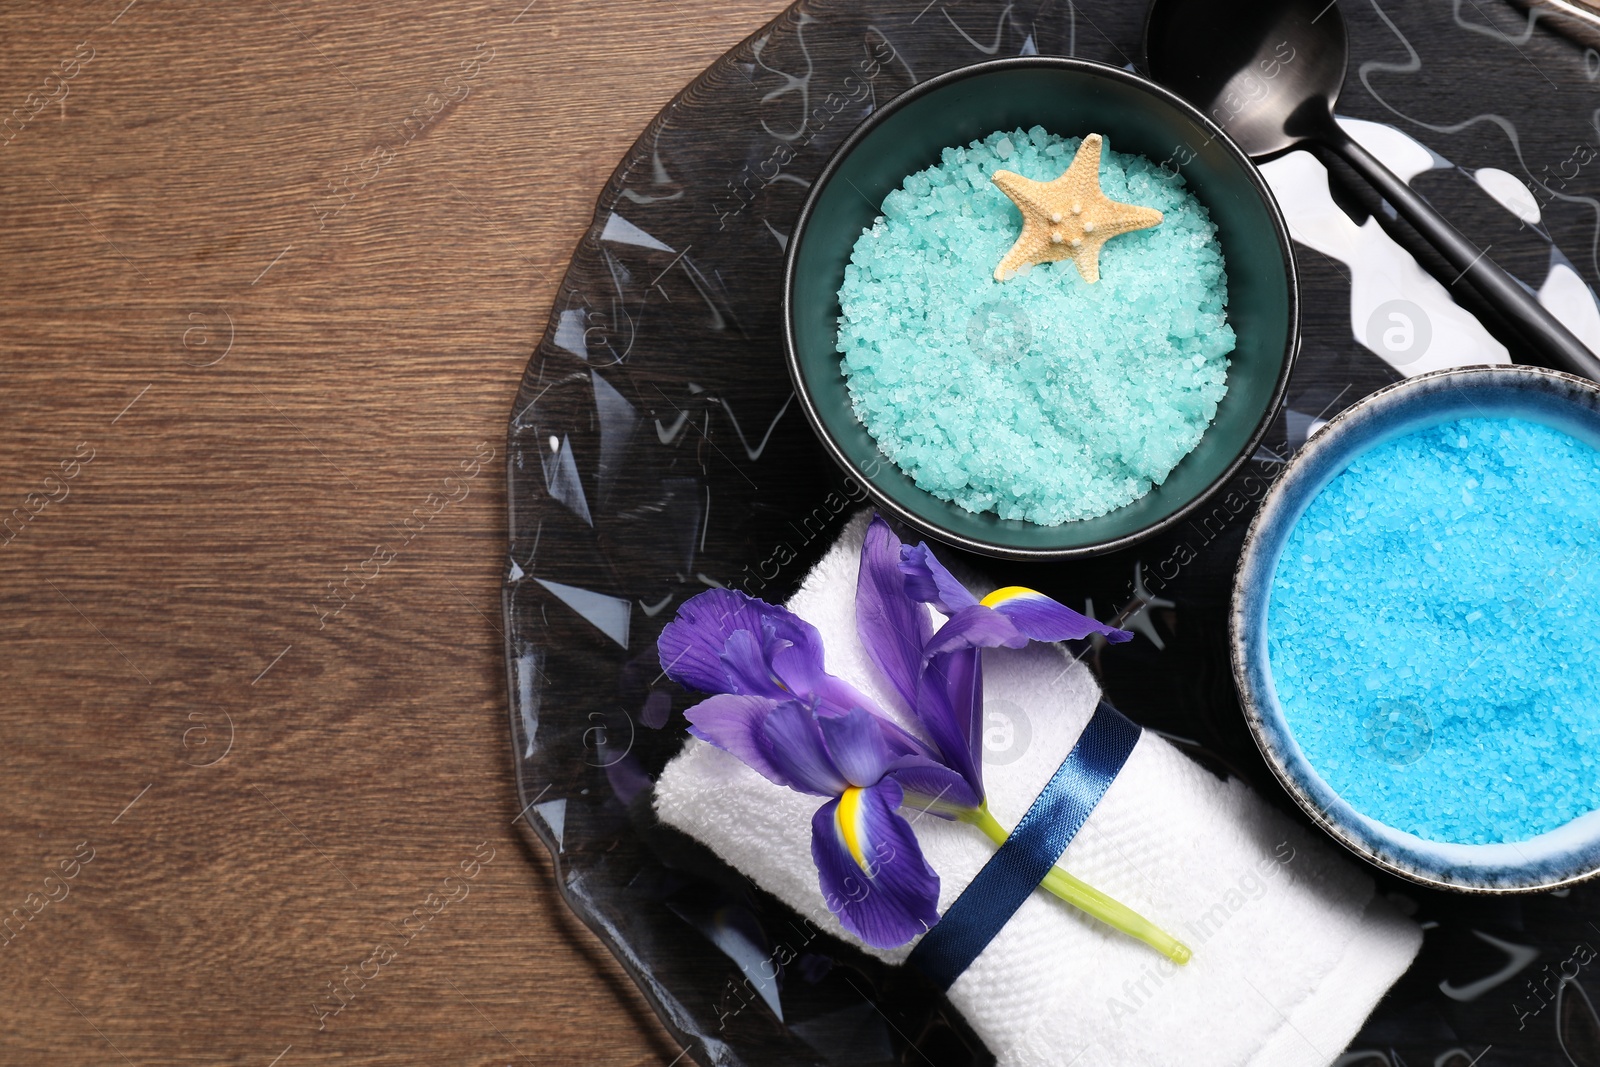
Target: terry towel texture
{"x": 1292, "y": 948}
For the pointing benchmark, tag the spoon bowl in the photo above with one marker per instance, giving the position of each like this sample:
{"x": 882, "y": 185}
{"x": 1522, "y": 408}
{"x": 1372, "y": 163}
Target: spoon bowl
{"x": 1270, "y": 86}
{"x": 1268, "y": 72}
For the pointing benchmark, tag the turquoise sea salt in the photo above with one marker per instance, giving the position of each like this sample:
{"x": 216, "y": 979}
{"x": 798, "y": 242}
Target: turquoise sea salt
{"x": 1042, "y": 397}
{"x": 1434, "y": 631}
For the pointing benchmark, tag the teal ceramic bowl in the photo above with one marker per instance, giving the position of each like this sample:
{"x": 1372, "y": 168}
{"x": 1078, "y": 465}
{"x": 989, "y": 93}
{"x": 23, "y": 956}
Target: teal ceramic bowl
{"x": 1567, "y": 854}
{"x": 1069, "y": 97}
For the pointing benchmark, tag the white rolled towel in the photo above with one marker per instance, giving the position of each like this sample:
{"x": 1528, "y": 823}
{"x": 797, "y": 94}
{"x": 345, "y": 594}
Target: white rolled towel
{"x": 1292, "y": 947}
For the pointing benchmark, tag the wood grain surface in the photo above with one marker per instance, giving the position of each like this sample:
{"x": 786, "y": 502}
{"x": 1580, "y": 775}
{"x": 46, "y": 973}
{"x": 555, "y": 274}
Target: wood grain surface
{"x": 270, "y": 277}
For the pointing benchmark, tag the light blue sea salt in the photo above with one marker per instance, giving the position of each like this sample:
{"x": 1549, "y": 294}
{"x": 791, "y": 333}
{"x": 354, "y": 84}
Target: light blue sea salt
{"x": 1434, "y": 631}
{"x": 1042, "y": 397}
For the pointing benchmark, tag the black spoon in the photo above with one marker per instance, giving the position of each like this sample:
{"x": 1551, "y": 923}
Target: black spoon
{"x": 1268, "y": 72}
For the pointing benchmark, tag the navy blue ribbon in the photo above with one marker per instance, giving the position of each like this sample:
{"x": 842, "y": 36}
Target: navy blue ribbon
{"x": 1022, "y": 861}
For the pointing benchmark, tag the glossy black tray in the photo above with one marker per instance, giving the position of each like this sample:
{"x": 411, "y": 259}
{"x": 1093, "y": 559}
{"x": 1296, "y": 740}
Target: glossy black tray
{"x": 655, "y": 450}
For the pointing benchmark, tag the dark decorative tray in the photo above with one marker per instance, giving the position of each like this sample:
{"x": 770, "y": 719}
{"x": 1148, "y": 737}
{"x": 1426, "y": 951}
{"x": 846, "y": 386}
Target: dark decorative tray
{"x": 654, "y": 450}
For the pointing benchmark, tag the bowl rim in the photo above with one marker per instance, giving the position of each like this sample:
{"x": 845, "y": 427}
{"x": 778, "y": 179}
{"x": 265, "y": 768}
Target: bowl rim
{"x": 991, "y": 548}
{"x": 1255, "y": 705}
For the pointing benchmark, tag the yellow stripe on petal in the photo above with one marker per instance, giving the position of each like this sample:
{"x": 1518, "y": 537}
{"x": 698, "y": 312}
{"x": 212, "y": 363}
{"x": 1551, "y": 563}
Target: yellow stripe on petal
{"x": 849, "y": 817}
{"x": 1010, "y": 592}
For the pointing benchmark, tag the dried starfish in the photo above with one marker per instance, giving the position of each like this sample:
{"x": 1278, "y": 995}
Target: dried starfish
{"x": 1069, "y": 218}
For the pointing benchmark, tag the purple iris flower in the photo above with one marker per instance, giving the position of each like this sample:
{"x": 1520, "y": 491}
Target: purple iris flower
{"x": 775, "y": 707}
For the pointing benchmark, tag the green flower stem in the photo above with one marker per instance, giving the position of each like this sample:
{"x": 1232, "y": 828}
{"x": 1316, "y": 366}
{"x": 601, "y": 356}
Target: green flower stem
{"x": 1088, "y": 899}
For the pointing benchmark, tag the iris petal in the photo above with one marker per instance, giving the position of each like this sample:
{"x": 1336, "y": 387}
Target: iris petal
{"x": 723, "y": 641}
{"x": 802, "y": 674}
{"x": 871, "y": 869}
{"x": 950, "y": 706}
{"x": 892, "y": 626}
{"x": 976, "y": 627}
{"x": 692, "y": 645}
{"x": 928, "y": 581}
{"x": 748, "y": 670}
{"x": 932, "y": 787}
{"x": 1014, "y": 619}
{"x": 791, "y": 743}
{"x": 733, "y": 723}
{"x": 856, "y": 745}
{"x": 1042, "y": 619}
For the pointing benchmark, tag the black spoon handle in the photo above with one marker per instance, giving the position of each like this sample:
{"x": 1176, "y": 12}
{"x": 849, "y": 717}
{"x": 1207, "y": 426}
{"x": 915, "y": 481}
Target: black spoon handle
{"x": 1540, "y": 328}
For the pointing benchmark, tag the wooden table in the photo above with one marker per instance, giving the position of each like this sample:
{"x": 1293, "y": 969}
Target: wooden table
{"x": 271, "y": 274}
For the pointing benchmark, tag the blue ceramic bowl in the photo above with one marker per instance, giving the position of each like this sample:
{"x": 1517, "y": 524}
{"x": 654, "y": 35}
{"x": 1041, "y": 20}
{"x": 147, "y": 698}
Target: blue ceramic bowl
{"x": 1564, "y": 855}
